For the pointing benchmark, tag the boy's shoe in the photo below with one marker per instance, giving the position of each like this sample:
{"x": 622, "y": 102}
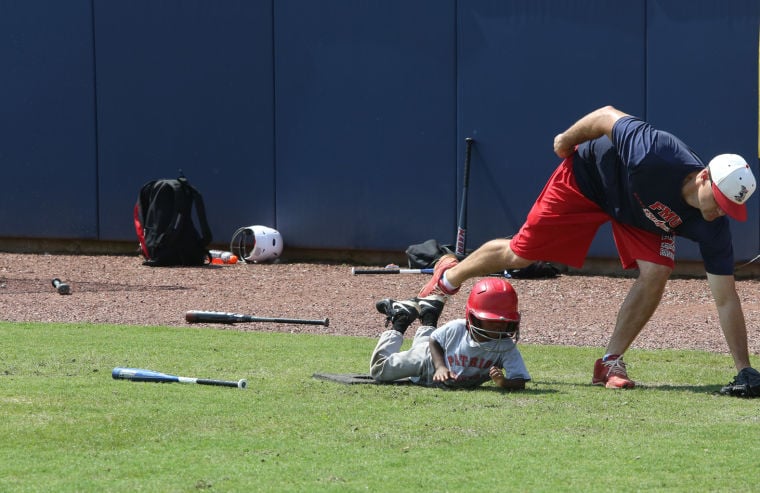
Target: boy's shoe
{"x": 399, "y": 313}
{"x": 434, "y": 286}
{"x": 430, "y": 309}
{"x": 745, "y": 384}
{"x": 612, "y": 374}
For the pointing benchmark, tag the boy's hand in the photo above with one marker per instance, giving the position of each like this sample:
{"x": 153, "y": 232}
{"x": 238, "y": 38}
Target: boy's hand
{"x": 442, "y": 375}
{"x": 497, "y": 376}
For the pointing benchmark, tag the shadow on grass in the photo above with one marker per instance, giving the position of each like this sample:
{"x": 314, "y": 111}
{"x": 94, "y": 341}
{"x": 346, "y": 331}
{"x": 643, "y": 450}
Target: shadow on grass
{"x": 526, "y": 391}
{"x": 697, "y": 389}
{"x": 359, "y": 378}
{"x": 533, "y": 388}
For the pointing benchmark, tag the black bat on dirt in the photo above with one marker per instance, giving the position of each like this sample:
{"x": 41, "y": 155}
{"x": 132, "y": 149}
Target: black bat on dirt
{"x": 385, "y": 270}
{"x": 199, "y": 316}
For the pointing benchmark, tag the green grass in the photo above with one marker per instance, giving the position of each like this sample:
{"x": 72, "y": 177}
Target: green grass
{"x": 68, "y": 426}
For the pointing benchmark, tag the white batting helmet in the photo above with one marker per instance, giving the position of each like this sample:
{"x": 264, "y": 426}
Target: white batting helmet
{"x": 256, "y": 244}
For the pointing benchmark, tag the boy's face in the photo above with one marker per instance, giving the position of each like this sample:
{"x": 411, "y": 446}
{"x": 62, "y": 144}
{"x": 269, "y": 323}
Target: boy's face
{"x": 490, "y": 330}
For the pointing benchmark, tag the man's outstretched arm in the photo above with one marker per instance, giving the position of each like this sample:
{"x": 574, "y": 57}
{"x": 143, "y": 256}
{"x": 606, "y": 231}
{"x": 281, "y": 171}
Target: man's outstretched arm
{"x": 595, "y": 124}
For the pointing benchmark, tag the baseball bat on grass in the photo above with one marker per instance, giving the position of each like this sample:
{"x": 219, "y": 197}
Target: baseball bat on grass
{"x": 210, "y": 317}
{"x": 142, "y": 375}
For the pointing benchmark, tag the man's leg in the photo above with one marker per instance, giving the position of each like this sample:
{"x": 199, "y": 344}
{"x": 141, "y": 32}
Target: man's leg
{"x": 637, "y": 308}
{"x": 639, "y": 305}
{"x": 492, "y": 256}
{"x": 559, "y": 228}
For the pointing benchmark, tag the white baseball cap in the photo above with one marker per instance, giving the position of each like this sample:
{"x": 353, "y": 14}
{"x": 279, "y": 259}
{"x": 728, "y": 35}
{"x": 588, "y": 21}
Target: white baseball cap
{"x": 732, "y": 184}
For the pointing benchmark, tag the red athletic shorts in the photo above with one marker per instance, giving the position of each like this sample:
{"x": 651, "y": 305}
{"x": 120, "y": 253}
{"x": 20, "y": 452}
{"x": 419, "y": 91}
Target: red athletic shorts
{"x": 563, "y": 222}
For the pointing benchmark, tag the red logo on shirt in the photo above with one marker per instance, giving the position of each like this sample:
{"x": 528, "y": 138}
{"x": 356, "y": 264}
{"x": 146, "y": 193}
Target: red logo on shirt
{"x": 662, "y": 216}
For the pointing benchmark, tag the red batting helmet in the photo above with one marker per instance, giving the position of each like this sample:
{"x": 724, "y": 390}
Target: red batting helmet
{"x": 493, "y": 299}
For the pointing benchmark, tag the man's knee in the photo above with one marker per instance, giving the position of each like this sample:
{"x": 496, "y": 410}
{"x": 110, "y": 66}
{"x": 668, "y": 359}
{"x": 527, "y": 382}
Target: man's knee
{"x": 511, "y": 259}
{"x": 500, "y": 251}
{"x": 653, "y": 274}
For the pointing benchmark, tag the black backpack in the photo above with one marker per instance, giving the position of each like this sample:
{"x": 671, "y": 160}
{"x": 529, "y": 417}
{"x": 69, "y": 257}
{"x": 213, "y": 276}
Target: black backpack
{"x": 424, "y": 255}
{"x": 165, "y": 226}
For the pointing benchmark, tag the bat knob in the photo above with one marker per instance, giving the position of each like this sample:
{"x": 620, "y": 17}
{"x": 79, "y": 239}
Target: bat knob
{"x": 242, "y": 383}
{"x": 61, "y": 287}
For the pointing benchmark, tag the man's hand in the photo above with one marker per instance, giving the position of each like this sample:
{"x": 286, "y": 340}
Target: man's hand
{"x": 562, "y": 147}
{"x": 745, "y": 384}
{"x": 595, "y": 124}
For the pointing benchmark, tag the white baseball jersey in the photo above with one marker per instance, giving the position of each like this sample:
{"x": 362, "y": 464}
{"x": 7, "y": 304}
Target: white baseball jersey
{"x": 470, "y": 361}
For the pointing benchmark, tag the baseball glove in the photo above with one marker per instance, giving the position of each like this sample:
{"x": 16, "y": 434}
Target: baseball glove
{"x": 745, "y": 384}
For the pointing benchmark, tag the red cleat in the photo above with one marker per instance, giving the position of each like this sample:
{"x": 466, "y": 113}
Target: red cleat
{"x": 612, "y": 374}
{"x": 434, "y": 286}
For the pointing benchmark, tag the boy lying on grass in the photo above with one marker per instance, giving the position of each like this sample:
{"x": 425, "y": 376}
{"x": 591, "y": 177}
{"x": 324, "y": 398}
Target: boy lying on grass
{"x": 463, "y": 353}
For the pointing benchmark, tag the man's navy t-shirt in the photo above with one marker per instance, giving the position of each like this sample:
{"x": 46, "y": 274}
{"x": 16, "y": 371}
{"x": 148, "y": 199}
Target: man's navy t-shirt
{"x": 637, "y": 179}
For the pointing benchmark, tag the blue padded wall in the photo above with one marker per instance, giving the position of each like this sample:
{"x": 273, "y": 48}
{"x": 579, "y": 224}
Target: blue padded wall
{"x": 47, "y": 152}
{"x": 702, "y": 85}
{"x": 365, "y": 122}
{"x": 186, "y": 84}
{"x": 528, "y": 69}
{"x": 342, "y": 123}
